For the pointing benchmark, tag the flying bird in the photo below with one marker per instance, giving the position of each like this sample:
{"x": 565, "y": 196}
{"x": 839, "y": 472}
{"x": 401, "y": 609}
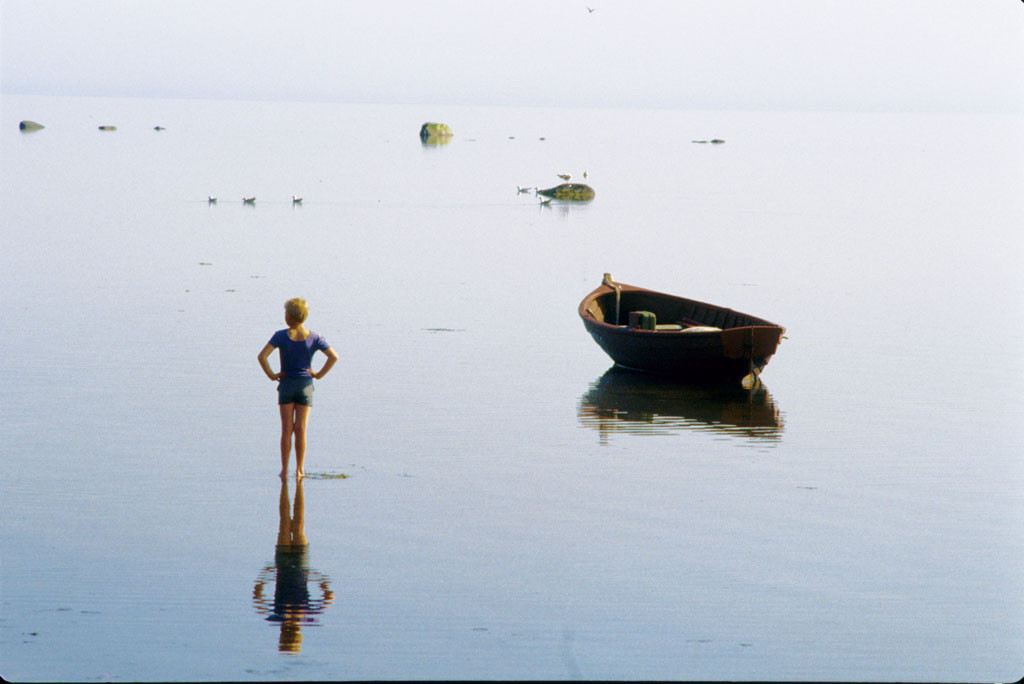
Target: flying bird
{"x": 590, "y": 9}
{"x": 565, "y": 176}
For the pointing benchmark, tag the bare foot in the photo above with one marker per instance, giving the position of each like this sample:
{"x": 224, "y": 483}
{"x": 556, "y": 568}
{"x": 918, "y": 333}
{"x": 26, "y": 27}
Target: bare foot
{"x": 283, "y": 474}
{"x": 299, "y": 474}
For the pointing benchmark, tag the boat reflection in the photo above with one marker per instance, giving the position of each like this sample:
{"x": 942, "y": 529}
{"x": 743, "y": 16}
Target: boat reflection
{"x": 625, "y": 401}
{"x": 291, "y": 605}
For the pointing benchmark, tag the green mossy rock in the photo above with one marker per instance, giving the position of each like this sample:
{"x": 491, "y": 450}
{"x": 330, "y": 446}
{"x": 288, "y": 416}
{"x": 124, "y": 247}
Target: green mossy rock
{"x": 569, "y": 191}
{"x": 31, "y": 126}
{"x": 435, "y": 131}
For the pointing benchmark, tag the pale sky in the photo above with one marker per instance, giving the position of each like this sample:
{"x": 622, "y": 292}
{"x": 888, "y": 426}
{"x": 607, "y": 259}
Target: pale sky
{"x": 888, "y": 55}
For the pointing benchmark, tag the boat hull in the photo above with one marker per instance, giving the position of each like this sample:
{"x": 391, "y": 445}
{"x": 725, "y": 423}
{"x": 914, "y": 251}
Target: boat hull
{"x": 741, "y": 346}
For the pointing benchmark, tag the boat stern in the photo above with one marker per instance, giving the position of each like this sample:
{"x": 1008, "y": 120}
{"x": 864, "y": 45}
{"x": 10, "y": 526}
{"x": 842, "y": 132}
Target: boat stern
{"x": 756, "y": 342}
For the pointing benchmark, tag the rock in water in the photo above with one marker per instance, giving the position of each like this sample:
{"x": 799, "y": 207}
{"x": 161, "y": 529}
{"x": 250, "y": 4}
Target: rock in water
{"x": 569, "y": 191}
{"x": 435, "y": 132}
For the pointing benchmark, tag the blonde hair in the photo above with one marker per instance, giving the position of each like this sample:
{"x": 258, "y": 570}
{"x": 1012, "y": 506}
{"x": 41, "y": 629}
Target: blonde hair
{"x": 296, "y": 309}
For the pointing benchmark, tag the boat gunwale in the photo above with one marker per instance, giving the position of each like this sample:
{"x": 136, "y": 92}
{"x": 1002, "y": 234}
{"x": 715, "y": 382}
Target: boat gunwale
{"x": 604, "y": 290}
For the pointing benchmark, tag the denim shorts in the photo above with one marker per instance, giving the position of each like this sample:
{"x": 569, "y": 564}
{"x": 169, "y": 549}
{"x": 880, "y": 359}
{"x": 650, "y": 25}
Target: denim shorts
{"x": 295, "y": 391}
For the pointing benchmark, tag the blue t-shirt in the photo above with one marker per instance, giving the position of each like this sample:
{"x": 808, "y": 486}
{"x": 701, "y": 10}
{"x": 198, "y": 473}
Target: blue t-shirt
{"x": 297, "y": 355}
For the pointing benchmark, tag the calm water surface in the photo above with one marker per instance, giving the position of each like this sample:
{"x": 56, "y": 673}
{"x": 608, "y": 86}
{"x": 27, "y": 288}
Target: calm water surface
{"x": 512, "y": 506}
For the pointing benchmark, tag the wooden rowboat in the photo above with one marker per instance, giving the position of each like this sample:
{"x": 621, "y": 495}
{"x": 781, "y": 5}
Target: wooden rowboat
{"x": 683, "y": 338}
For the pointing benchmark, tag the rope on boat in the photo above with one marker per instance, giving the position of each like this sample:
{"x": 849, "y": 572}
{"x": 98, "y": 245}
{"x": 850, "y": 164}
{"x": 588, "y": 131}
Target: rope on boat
{"x": 752, "y": 351}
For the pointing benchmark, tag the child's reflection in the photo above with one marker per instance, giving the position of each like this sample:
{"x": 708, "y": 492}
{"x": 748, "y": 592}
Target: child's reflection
{"x": 292, "y": 605}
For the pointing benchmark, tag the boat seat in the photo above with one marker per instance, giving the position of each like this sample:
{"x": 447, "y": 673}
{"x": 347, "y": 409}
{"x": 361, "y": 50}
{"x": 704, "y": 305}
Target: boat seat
{"x": 668, "y": 326}
{"x": 701, "y": 329}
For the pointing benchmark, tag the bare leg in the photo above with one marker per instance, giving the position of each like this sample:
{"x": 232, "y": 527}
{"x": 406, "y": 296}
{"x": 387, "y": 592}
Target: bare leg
{"x": 287, "y": 426}
{"x": 301, "y": 420}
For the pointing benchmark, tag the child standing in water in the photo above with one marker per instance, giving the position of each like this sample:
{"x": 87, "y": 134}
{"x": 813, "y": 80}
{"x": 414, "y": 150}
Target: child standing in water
{"x": 295, "y": 381}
